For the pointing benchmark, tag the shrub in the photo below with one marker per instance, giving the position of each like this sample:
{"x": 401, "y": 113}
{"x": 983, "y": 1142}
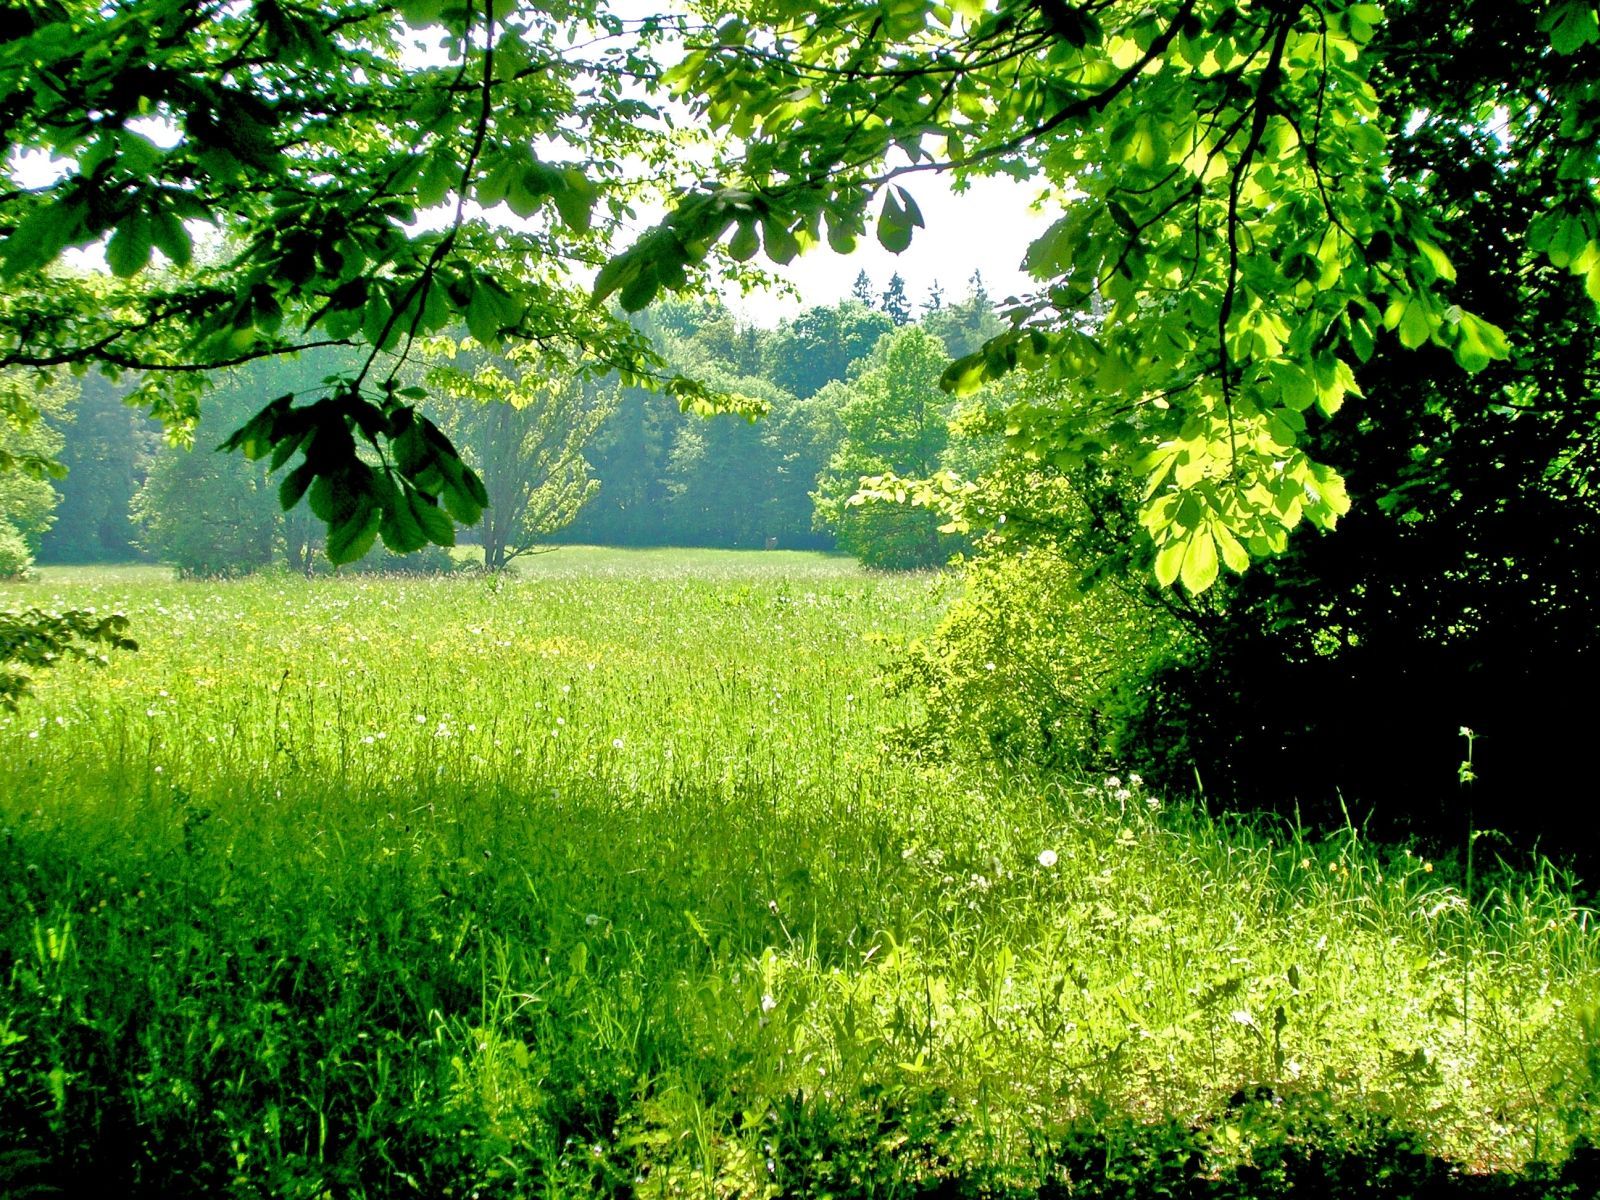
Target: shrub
{"x": 16, "y": 560}
{"x": 1036, "y": 663}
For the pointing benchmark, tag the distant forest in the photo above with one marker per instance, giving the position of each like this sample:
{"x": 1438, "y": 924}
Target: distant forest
{"x": 849, "y": 390}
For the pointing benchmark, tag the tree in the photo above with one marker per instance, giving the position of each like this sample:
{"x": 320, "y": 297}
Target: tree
{"x": 108, "y": 447}
{"x": 358, "y": 189}
{"x": 1239, "y": 246}
{"x": 525, "y": 432}
{"x": 977, "y": 293}
{"x": 966, "y": 326}
{"x": 32, "y": 406}
{"x": 819, "y": 345}
{"x": 1460, "y": 590}
{"x": 724, "y": 477}
{"x": 935, "y": 301}
{"x": 630, "y": 455}
{"x": 1335, "y": 678}
{"x": 210, "y": 515}
{"x": 33, "y": 639}
{"x": 861, "y": 290}
{"x": 896, "y": 304}
{"x": 894, "y": 419}
{"x": 1237, "y": 234}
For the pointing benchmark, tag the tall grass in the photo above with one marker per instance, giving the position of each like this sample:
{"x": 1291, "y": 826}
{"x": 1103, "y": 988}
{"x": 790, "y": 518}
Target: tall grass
{"x": 599, "y": 878}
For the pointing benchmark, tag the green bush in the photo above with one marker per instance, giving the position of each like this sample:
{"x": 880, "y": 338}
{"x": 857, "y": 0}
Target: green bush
{"x": 1036, "y": 663}
{"x": 16, "y": 560}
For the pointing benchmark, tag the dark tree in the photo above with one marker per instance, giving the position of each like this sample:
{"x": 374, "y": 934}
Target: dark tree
{"x": 896, "y": 304}
{"x": 861, "y": 289}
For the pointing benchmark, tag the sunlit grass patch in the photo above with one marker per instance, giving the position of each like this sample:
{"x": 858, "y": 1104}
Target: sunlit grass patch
{"x": 603, "y": 878}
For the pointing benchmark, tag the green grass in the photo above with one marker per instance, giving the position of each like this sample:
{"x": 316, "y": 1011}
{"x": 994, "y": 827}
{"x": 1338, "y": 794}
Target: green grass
{"x": 599, "y": 878}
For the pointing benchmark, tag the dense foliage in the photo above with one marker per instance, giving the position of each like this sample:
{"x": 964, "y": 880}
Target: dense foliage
{"x": 106, "y": 452}
{"x": 562, "y": 459}
{"x": 1201, "y": 132}
{"x": 33, "y": 407}
{"x": 1462, "y": 591}
{"x": 893, "y": 418}
{"x": 1336, "y": 677}
{"x": 337, "y": 150}
{"x": 1236, "y": 242}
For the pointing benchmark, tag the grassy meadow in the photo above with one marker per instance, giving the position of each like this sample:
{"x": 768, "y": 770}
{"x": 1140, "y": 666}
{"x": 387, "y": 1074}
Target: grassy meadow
{"x": 602, "y": 879}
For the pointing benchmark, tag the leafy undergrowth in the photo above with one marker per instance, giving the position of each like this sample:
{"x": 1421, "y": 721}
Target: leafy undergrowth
{"x": 599, "y": 882}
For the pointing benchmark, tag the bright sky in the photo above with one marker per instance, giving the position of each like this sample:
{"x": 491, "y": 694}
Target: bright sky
{"x": 986, "y": 228}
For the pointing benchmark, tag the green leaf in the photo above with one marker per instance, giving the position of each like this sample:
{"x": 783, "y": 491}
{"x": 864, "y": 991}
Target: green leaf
{"x": 1200, "y": 561}
{"x": 436, "y": 524}
{"x": 617, "y": 273}
{"x": 1169, "y": 561}
{"x": 171, "y": 237}
{"x": 1478, "y": 343}
{"x": 294, "y": 485}
{"x": 744, "y": 243}
{"x": 42, "y": 235}
{"x": 1436, "y": 259}
{"x": 965, "y": 376}
{"x": 421, "y": 13}
{"x": 129, "y": 250}
{"x": 320, "y": 498}
{"x": 352, "y": 537}
{"x": 782, "y": 246}
{"x": 399, "y": 527}
{"x": 894, "y": 225}
{"x": 1413, "y": 321}
{"x": 1234, "y": 556}
{"x": 574, "y": 199}
{"x": 637, "y": 293}
{"x": 1572, "y": 26}
{"x": 485, "y": 313}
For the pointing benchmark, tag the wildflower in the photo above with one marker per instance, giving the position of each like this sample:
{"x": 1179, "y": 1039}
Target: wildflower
{"x": 592, "y": 919}
{"x": 768, "y": 1003}
{"x": 1047, "y": 858}
{"x": 616, "y": 743}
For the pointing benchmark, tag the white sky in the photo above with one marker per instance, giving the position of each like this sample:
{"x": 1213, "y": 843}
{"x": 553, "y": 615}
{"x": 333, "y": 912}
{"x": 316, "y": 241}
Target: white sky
{"x": 986, "y": 228}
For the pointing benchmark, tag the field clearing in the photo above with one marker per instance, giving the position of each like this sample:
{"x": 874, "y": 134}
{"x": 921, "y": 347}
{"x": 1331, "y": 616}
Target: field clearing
{"x": 602, "y": 878}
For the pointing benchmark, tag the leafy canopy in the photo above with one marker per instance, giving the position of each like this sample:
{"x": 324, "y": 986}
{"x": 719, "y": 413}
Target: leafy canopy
{"x": 1233, "y": 240}
{"x": 369, "y": 173}
{"x": 526, "y": 431}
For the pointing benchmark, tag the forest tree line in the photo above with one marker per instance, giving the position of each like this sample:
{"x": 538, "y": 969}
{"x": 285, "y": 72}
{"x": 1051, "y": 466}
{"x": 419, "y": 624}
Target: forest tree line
{"x": 848, "y": 390}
